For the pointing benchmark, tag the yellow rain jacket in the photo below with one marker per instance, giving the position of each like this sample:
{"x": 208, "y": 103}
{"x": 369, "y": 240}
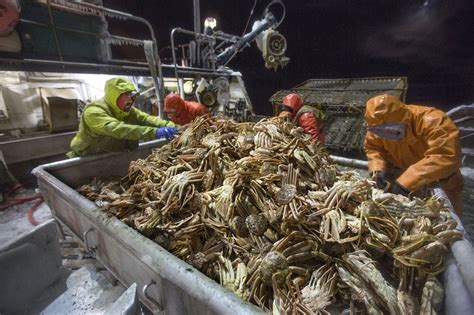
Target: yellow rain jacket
{"x": 105, "y": 128}
{"x": 429, "y": 151}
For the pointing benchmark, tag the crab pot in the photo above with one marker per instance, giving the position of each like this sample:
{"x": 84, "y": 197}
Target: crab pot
{"x": 165, "y": 282}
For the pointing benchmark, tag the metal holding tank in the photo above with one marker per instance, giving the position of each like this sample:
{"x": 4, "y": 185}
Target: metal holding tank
{"x": 164, "y": 281}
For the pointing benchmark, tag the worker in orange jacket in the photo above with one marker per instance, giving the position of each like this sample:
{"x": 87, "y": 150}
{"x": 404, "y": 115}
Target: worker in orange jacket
{"x": 182, "y": 112}
{"x": 305, "y": 116}
{"x": 421, "y": 142}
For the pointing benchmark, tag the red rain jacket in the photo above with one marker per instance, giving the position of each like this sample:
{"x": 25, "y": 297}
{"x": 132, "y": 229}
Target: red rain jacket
{"x": 182, "y": 112}
{"x": 303, "y": 116}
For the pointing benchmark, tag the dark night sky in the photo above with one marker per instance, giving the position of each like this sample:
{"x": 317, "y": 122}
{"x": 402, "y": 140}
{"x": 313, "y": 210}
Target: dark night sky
{"x": 429, "y": 41}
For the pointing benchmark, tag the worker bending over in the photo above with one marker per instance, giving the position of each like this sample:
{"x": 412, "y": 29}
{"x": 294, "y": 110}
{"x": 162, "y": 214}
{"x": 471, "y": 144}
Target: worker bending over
{"x": 183, "y": 112}
{"x": 113, "y": 124}
{"x": 305, "y": 116}
{"x": 420, "y": 143}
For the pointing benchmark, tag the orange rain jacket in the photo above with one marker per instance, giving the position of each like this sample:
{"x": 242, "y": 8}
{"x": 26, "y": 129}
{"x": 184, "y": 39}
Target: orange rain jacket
{"x": 187, "y": 110}
{"x": 429, "y": 151}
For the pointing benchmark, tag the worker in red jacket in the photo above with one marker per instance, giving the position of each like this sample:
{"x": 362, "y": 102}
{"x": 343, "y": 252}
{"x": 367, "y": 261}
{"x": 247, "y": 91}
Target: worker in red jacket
{"x": 305, "y": 116}
{"x": 182, "y": 112}
{"x": 9, "y": 16}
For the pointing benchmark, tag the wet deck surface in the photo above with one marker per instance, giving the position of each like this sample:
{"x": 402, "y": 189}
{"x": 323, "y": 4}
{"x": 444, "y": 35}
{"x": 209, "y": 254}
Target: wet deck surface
{"x": 14, "y": 223}
{"x": 90, "y": 287}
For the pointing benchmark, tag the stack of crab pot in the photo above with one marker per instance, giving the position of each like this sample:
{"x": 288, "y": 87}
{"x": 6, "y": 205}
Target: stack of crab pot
{"x": 264, "y": 211}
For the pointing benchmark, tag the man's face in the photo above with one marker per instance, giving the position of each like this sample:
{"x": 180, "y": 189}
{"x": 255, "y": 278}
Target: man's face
{"x": 125, "y": 101}
{"x": 172, "y": 113}
{"x": 391, "y": 130}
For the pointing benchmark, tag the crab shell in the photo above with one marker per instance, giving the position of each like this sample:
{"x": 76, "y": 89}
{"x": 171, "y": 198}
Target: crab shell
{"x": 285, "y": 194}
{"x": 238, "y": 226}
{"x": 268, "y": 168}
{"x": 197, "y": 259}
{"x": 208, "y": 180}
{"x": 196, "y": 201}
{"x": 256, "y": 224}
{"x": 163, "y": 241}
{"x": 273, "y": 263}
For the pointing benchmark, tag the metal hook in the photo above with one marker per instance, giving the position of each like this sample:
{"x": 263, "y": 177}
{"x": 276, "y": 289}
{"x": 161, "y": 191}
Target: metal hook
{"x": 86, "y": 243}
{"x": 158, "y": 307}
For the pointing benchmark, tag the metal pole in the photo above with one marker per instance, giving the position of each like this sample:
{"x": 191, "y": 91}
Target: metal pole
{"x": 79, "y": 64}
{"x": 197, "y": 28}
{"x": 100, "y": 68}
{"x": 173, "y": 54}
{"x": 160, "y": 89}
{"x": 350, "y": 162}
{"x": 197, "y": 16}
{"x": 53, "y": 28}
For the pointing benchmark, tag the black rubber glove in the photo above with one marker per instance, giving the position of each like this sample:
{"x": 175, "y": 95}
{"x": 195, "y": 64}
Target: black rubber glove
{"x": 286, "y": 108}
{"x": 380, "y": 179}
{"x": 396, "y": 188}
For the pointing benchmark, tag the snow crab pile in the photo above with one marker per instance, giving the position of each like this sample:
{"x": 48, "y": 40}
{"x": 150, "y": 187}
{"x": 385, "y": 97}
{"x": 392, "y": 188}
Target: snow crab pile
{"x": 262, "y": 210}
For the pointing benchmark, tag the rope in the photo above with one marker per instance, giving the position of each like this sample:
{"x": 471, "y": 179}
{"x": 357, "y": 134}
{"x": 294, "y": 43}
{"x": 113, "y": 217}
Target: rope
{"x": 15, "y": 200}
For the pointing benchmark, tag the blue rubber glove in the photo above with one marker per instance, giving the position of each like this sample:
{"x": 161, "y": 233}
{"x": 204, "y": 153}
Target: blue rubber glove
{"x": 165, "y": 132}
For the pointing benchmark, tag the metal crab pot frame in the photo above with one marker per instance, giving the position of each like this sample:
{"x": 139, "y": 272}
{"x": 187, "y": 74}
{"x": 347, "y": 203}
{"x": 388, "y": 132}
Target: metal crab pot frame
{"x": 165, "y": 282}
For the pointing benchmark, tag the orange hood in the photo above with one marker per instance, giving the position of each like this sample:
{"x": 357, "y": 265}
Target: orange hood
{"x": 429, "y": 151}
{"x": 293, "y": 101}
{"x": 386, "y": 108}
{"x": 174, "y": 102}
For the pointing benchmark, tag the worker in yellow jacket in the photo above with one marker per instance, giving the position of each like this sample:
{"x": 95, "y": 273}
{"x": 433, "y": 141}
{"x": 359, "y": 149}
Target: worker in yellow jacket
{"x": 112, "y": 124}
{"x": 421, "y": 142}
